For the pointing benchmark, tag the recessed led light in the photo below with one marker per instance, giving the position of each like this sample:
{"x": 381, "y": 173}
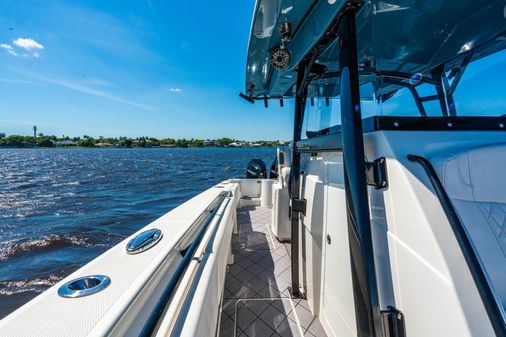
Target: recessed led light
{"x": 466, "y": 47}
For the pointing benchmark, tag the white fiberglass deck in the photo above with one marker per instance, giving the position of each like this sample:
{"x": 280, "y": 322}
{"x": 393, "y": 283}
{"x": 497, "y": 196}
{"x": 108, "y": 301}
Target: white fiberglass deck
{"x": 256, "y": 299}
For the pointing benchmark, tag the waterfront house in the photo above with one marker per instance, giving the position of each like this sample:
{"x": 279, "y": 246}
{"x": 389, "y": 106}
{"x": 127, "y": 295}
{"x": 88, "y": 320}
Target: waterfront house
{"x": 64, "y": 143}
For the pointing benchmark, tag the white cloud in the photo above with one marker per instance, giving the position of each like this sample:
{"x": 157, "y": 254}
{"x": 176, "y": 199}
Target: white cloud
{"x": 175, "y": 90}
{"x": 8, "y": 48}
{"x": 28, "y": 44}
{"x": 23, "y": 47}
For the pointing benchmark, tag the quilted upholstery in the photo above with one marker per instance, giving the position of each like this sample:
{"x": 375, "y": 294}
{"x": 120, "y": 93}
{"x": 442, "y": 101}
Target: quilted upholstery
{"x": 476, "y": 184}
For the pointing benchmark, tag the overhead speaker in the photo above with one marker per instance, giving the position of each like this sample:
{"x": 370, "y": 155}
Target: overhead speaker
{"x": 280, "y": 58}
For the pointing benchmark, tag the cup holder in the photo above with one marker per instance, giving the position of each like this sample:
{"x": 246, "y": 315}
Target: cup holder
{"x": 84, "y": 286}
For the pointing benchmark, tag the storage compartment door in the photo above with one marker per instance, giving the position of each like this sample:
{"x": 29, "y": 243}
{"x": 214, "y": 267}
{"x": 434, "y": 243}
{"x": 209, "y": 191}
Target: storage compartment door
{"x": 338, "y": 307}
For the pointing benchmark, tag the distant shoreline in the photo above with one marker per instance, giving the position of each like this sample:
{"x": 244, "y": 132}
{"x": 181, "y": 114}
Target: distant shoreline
{"x": 126, "y": 148}
{"x": 44, "y": 141}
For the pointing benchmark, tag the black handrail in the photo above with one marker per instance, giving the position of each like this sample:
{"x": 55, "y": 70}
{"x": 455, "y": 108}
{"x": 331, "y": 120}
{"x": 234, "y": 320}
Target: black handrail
{"x": 490, "y": 301}
{"x": 165, "y": 299}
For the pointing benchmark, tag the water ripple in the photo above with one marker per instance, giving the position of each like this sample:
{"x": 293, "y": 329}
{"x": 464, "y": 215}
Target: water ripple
{"x": 13, "y": 248}
{"x": 60, "y": 208}
{"x": 37, "y": 285}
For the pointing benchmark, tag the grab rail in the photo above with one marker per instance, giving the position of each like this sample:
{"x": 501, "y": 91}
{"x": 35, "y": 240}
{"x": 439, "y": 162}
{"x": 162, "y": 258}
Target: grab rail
{"x": 174, "y": 328}
{"x": 490, "y": 301}
{"x": 165, "y": 299}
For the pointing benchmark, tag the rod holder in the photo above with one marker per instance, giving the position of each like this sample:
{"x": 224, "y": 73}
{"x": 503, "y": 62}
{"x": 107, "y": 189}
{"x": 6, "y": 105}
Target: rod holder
{"x": 84, "y": 286}
{"x": 144, "y": 241}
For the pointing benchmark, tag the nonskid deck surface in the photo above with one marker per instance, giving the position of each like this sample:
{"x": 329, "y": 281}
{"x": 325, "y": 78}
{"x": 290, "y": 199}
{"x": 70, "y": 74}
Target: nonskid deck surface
{"x": 256, "y": 299}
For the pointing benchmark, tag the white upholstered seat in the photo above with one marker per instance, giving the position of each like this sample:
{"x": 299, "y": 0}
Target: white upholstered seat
{"x": 475, "y": 181}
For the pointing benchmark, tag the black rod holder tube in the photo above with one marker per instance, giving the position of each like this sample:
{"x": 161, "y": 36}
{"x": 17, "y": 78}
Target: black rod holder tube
{"x": 248, "y": 98}
{"x": 365, "y": 288}
{"x": 491, "y": 303}
{"x": 300, "y": 102}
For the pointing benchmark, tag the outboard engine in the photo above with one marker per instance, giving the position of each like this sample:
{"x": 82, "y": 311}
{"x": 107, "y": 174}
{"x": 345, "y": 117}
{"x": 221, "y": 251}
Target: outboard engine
{"x": 256, "y": 169}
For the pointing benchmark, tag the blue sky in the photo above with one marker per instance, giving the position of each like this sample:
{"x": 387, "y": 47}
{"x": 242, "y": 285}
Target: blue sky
{"x": 159, "y": 68}
{"x": 133, "y": 68}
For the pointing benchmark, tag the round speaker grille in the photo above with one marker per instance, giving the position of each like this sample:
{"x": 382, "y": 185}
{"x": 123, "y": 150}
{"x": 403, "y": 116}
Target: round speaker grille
{"x": 280, "y": 58}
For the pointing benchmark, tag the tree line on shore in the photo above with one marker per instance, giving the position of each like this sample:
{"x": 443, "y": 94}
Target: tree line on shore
{"x": 86, "y": 141}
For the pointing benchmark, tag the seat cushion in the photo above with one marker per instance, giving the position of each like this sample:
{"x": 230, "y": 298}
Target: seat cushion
{"x": 475, "y": 182}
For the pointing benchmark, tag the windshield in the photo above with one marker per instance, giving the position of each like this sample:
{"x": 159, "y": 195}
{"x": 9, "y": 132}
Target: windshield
{"x": 482, "y": 91}
{"x": 475, "y": 89}
{"x": 467, "y": 88}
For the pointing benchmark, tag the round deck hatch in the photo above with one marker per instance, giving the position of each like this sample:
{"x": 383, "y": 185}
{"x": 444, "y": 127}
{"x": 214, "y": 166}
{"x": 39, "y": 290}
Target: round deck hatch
{"x": 84, "y": 286}
{"x": 144, "y": 241}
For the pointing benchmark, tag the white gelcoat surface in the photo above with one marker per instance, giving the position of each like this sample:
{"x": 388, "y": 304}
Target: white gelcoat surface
{"x": 281, "y": 225}
{"x": 327, "y": 268}
{"x": 136, "y": 282}
{"x": 312, "y": 231}
{"x": 250, "y": 188}
{"x": 338, "y": 306}
{"x": 427, "y": 267}
{"x": 266, "y": 193}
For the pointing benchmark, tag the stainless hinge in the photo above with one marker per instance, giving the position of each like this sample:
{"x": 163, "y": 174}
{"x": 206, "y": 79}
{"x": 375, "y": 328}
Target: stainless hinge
{"x": 299, "y": 205}
{"x": 376, "y": 173}
{"x": 393, "y": 323}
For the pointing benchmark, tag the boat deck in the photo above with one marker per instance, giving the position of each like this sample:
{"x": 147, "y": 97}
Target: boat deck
{"x": 256, "y": 299}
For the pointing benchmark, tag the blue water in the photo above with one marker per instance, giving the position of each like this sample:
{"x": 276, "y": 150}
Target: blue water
{"x": 60, "y": 208}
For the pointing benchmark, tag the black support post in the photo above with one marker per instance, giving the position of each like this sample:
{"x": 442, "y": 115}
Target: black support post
{"x": 300, "y": 103}
{"x": 365, "y": 290}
